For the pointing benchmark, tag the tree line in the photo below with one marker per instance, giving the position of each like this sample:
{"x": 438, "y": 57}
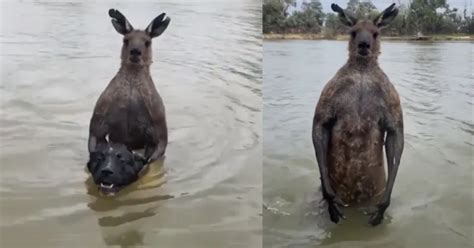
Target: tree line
{"x": 415, "y": 17}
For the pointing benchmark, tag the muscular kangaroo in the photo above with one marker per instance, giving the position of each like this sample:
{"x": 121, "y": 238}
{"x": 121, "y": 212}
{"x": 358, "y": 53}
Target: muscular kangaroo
{"x": 129, "y": 112}
{"x": 357, "y": 113}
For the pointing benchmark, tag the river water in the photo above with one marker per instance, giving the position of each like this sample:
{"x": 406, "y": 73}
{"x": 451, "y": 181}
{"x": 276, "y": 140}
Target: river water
{"x": 57, "y": 57}
{"x": 432, "y": 201}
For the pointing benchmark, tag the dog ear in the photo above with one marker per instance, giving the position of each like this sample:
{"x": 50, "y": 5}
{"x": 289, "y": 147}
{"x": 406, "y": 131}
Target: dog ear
{"x": 138, "y": 158}
{"x": 94, "y": 159}
{"x": 92, "y": 143}
{"x": 140, "y": 162}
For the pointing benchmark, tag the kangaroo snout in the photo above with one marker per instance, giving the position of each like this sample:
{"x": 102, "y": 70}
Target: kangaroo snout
{"x": 364, "y": 45}
{"x": 135, "y": 52}
{"x": 363, "y": 48}
{"x": 135, "y": 55}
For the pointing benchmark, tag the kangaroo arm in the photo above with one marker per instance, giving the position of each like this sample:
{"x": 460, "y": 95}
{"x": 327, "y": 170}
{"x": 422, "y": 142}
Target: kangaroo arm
{"x": 321, "y": 133}
{"x": 394, "y": 143}
{"x": 97, "y": 128}
{"x": 159, "y": 132}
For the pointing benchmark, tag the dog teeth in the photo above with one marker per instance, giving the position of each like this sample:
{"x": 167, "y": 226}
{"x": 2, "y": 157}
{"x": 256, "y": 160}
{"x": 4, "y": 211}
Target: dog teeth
{"x": 106, "y": 186}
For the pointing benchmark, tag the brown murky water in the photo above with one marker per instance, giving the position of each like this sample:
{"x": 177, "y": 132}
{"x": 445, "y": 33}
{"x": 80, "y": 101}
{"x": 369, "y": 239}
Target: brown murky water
{"x": 432, "y": 202}
{"x": 57, "y": 57}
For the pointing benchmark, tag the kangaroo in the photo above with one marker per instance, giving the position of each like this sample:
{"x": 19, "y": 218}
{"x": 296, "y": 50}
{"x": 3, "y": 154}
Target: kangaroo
{"x": 357, "y": 108}
{"x": 129, "y": 111}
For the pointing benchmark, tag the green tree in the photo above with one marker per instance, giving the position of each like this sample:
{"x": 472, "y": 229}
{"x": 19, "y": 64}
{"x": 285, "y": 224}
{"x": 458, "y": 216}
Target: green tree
{"x": 467, "y": 24}
{"x": 273, "y": 16}
{"x": 309, "y": 20}
{"x": 361, "y": 10}
{"x": 425, "y": 16}
{"x": 286, "y": 5}
{"x": 431, "y": 17}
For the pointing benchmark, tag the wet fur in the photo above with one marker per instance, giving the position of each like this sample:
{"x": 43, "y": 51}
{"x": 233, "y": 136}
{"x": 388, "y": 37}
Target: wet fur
{"x": 358, "y": 112}
{"x": 117, "y": 158}
{"x": 357, "y": 102}
{"x": 130, "y": 110}
{"x": 129, "y": 113}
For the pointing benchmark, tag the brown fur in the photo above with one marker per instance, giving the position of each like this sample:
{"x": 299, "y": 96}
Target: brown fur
{"x": 359, "y": 98}
{"x": 130, "y": 110}
{"x": 357, "y": 107}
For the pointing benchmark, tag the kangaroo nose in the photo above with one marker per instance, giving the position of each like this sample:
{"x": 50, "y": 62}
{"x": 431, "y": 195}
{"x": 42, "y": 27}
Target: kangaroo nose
{"x": 364, "y": 45}
{"x": 135, "y": 52}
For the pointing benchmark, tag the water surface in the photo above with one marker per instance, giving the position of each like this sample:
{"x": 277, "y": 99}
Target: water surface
{"x": 432, "y": 201}
{"x": 57, "y": 57}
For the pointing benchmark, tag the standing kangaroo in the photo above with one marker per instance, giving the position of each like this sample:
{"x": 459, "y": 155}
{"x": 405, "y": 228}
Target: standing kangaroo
{"x": 358, "y": 107}
{"x": 130, "y": 111}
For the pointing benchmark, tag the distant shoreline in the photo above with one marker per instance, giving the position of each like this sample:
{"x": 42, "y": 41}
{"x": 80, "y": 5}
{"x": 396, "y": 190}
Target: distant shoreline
{"x": 346, "y": 37}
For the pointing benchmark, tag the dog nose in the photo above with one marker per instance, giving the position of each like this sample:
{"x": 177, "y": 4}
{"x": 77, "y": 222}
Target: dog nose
{"x": 364, "y": 45}
{"x": 135, "y": 52}
{"x": 106, "y": 172}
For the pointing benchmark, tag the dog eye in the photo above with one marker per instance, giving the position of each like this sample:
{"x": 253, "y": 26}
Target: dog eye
{"x": 147, "y": 43}
{"x": 353, "y": 34}
{"x": 119, "y": 156}
{"x": 97, "y": 155}
{"x": 125, "y": 42}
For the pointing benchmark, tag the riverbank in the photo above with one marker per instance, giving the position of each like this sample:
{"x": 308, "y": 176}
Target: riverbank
{"x": 321, "y": 36}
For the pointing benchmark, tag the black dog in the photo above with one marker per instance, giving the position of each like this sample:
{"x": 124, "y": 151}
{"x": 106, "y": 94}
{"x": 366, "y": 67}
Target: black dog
{"x": 113, "y": 166}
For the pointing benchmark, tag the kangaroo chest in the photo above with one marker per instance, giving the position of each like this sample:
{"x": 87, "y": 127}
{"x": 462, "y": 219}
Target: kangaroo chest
{"x": 129, "y": 120}
{"x": 358, "y": 106}
{"x": 355, "y": 158}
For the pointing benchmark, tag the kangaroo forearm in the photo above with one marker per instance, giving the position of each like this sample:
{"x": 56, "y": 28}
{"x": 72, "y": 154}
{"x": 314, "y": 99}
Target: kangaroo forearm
{"x": 393, "y": 149}
{"x": 320, "y": 142}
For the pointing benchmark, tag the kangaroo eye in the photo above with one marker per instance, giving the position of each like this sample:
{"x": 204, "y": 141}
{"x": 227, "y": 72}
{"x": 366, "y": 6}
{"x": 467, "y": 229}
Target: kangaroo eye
{"x": 125, "y": 42}
{"x": 376, "y": 34}
{"x": 147, "y": 43}
{"x": 119, "y": 156}
{"x": 353, "y": 34}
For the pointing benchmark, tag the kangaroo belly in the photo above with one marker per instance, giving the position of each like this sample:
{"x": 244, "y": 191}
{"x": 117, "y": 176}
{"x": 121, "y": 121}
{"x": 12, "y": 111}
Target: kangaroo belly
{"x": 139, "y": 125}
{"x": 355, "y": 160}
{"x": 130, "y": 123}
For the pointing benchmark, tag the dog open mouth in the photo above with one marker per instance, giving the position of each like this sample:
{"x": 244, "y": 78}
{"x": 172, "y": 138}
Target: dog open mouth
{"x": 108, "y": 189}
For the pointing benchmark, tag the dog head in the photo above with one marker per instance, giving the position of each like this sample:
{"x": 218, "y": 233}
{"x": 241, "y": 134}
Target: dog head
{"x": 113, "y": 166}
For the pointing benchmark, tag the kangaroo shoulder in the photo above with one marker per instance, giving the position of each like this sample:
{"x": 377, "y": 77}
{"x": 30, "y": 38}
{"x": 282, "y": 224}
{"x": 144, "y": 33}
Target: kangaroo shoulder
{"x": 390, "y": 94}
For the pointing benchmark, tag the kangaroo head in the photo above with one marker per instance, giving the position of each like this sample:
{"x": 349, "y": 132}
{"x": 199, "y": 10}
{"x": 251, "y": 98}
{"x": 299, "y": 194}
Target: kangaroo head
{"x": 364, "y": 41}
{"x": 136, "y": 48}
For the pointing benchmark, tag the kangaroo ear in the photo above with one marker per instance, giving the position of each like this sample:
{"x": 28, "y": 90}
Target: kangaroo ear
{"x": 386, "y": 17}
{"x": 344, "y": 17}
{"x": 120, "y": 23}
{"x": 158, "y": 25}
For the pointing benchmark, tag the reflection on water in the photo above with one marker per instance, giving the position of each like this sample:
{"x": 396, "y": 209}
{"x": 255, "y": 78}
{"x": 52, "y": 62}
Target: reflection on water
{"x": 57, "y": 57}
{"x": 143, "y": 191}
{"x": 139, "y": 200}
{"x": 432, "y": 200}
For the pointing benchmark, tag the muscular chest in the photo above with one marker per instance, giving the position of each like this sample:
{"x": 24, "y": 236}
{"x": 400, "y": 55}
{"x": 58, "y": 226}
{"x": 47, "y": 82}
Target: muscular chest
{"x": 128, "y": 112}
{"x": 359, "y": 105}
